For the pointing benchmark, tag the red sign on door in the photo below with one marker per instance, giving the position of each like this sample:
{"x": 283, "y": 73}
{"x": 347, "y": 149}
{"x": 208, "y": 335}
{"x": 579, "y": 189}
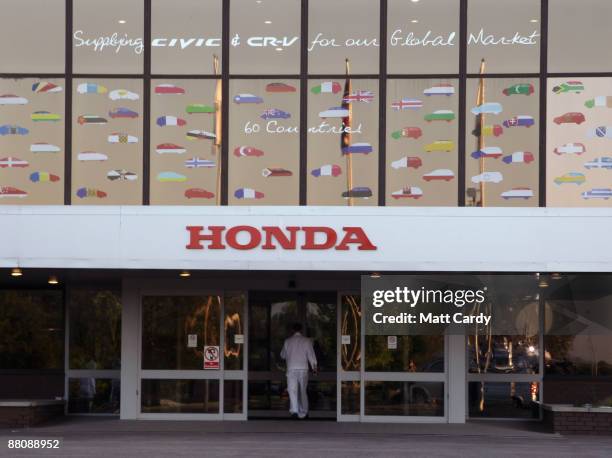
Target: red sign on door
{"x": 211, "y": 357}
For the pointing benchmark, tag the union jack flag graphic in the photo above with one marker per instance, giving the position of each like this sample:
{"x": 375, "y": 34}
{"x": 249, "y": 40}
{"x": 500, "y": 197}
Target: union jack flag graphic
{"x": 359, "y": 96}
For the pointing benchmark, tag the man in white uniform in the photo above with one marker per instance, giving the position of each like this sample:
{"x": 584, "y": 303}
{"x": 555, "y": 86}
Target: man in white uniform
{"x": 299, "y": 353}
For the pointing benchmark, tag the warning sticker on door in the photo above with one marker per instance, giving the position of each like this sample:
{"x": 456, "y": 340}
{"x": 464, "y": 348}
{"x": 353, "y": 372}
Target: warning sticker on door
{"x": 211, "y": 357}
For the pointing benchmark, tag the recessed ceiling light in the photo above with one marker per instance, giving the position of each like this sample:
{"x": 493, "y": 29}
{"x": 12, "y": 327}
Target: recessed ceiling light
{"x": 185, "y": 274}
{"x": 279, "y": 49}
{"x": 268, "y": 22}
{"x": 16, "y": 272}
{"x": 53, "y": 280}
{"x": 122, "y": 21}
{"x": 374, "y": 275}
{"x": 534, "y": 20}
{"x": 414, "y": 1}
{"x": 414, "y": 21}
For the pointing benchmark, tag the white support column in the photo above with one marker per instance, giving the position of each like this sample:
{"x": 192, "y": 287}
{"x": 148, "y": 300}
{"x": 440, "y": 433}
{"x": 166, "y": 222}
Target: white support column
{"x": 130, "y": 322}
{"x": 456, "y": 379}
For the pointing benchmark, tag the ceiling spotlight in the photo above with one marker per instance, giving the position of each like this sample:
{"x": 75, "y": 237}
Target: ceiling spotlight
{"x": 415, "y": 21}
{"x": 16, "y": 272}
{"x": 414, "y": 1}
{"x": 533, "y": 20}
{"x": 375, "y": 275}
{"x": 121, "y": 21}
{"x": 268, "y": 22}
{"x": 279, "y": 49}
{"x": 556, "y": 276}
{"x": 53, "y": 280}
{"x": 543, "y": 283}
{"x": 185, "y": 274}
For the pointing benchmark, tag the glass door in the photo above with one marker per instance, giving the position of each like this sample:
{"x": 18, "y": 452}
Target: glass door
{"x": 349, "y": 357}
{"x": 272, "y": 316}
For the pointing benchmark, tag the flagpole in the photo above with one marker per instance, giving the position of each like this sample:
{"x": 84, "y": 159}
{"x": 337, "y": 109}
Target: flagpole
{"x": 480, "y": 100}
{"x": 216, "y": 145}
{"x": 345, "y": 137}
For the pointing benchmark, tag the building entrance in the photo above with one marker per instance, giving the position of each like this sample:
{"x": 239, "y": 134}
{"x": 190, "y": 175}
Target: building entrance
{"x": 271, "y": 316}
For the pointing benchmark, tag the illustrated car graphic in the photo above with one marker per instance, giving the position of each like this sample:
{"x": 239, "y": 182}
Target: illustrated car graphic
{"x": 121, "y": 175}
{"x": 519, "y": 157}
{"x": 328, "y": 87}
{"x": 83, "y": 193}
{"x": 10, "y": 191}
{"x": 570, "y": 177}
{"x": 279, "y": 87}
{"x": 92, "y": 156}
{"x": 45, "y": 116}
{"x": 13, "y": 162}
{"x": 440, "y": 145}
{"x": 488, "y": 108}
{"x": 517, "y": 193}
{"x": 244, "y": 151}
{"x": 248, "y": 193}
{"x": 521, "y": 88}
{"x": 440, "y": 115}
{"x": 489, "y": 151}
{"x": 123, "y": 94}
{"x": 91, "y": 88}
{"x": 439, "y": 174}
{"x": 42, "y": 147}
{"x": 169, "y": 89}
{"x": 570, "y": 148}
{"x": 7, "y": 129}
{"x": 408, "y": 192}
{"x": 488, "y": 177}
{"x": 44, "y": 177}
{"x": 198, "y": 193}
{"x": 247, "y": 98}
{"x": 195, "y": 108}
{"x": 597, "y": 193}
{"x": 407, "y": 162}
{"x": 361, "y": 192}
{"x": 45, "y": 86}
{"x": 601, "y": 132}
{"x": 169, "y": 148}
{"x": 327, "y": 170}
{"x": 599, "y": 163}
{"x": 123, "y": 138}
{"x": 274, "y": 113}
{"x": 10, "y": 99}
{"x": 495, "y": 129}
{"x": 198, "y": 163}
{"x": 198, "y": 134}
{"x": 276, "y": 172}
{"x": 407, "y": 132}
{"x": 357, "y": 148}
{"x": 599, "y": 101}
{"x": 440, "y": 89}
{"x": 123, "y": 113}
{"x": 91, "y": 119}
{"x": 519, "y": 121}
{"x": 572, "y": 117}
{"x": 334, "y": 112}
{"x": 571, "y": 86}
{"x": 163, "y": 121}
{"x": 171, "y": 177}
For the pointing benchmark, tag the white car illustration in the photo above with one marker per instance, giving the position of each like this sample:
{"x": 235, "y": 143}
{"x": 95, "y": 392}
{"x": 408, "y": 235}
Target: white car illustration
{"x": 488, "y": 177}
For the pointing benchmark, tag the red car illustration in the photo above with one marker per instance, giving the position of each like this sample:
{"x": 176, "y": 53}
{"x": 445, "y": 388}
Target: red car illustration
{"x": 572, "y": 117}
{"x": 198, "y": 193}
{"x": 241, "y": 151}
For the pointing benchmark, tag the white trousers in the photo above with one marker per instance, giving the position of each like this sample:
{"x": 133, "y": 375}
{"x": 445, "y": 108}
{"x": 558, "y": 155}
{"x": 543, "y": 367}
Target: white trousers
{"x": 297, "y": 382}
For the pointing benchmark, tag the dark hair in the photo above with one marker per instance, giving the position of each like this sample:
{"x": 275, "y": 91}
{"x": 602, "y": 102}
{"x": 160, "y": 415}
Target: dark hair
{"x": 297, "y": 327}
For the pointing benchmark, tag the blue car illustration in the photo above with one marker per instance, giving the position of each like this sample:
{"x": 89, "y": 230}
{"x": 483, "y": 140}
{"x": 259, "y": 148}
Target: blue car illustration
{"x": 7, "y": 129}
{"x": 247, "y": 98}
{"x": 275, "y": 113}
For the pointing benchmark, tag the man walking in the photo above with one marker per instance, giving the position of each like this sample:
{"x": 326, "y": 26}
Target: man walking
{"x": 299, "y": 353}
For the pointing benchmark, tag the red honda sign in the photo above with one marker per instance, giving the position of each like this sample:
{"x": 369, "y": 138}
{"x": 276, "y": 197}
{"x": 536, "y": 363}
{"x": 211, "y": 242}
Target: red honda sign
{"x": 275, "y": 237}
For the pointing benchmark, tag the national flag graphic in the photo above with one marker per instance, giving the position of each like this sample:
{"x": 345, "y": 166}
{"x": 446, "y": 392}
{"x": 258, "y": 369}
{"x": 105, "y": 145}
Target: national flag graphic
{"x": 407, "y": 104}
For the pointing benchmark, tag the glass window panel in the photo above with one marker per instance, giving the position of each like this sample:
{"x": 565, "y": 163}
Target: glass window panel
{"x": 343, "y": 29}
{"x": 413, "y": 354}
{"x": 185, "y": 36}
{"x": 350, "y": 329}
{"x": 331, "y": 172}
{"x": 423, "y": 36}
{"x": 404, "y": 398}
{"x": 180, "y": 396}
{"x": 108, "y": 36}
{"x": 579, "y": 35}
{"x": 504, "y": 354}
{"x": 322, "y": 396}
{"x": 265, "y": 37}
{"x": 94, "y": 395}
{"x": 232, "y": 396}
{"x": 579, "y": 138}
{"x": 350, "y": 398}
{"x": 422, "y": 142}
{"x": 503, "y": 162}
{"x": 31, "y": 329}
{"x": 505, "y": 34}
{"x": 33, "y": 36}
{"x": 184, "y": 166}
{"x": 264, "y": 143}
{"x": 503, "y": 399}
{"x": 32, "y": 141}
{"x": 107, "y": 142}
{"x": 233, "y": 325}
{"x": 167, "y": 323}
{"x": 95, "y": 329}
{"x": 321, "y": 328}
{"x": 589, "y": 355}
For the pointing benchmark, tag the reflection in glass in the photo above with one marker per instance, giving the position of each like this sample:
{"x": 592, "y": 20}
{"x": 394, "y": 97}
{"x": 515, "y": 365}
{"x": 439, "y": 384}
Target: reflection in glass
{"x": 233, "y": 327}
{"x": 503, "y": 400}
{"x": 167, "y": 323}
{"x": 413, "y": 354}
{"x": 94, "y": 395}
{"x": 180, "y": 396}
{"x": 404, "y": 398}
{"x": 589, "y": 355}
{"x": 321, "y": 328}
{"x": 95, "y": 329}
{"x": 232, "y": 396}
{"x": 503, "y": 354}
{"x": 351, "y": 333}
{"x": 350, "y": 398}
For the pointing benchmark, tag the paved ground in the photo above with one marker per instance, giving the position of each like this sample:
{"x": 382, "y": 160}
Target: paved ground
{"x": 109, "y": 437}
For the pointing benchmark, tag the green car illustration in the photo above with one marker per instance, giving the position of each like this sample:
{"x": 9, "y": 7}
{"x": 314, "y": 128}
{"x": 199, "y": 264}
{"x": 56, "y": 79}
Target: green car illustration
{"x": 45, "y": 116}
{"x": 440, "y": 115}
{"x": 199, "y": 108}
{"x": 521, "y": 88}
{"x": 571, "y": 86}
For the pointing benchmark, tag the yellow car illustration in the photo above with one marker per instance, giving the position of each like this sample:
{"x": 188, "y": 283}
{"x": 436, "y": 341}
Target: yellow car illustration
{"x": 571, "y": 177}
{"x": 45, "y": 116}
{"x": 440, "y": 145}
